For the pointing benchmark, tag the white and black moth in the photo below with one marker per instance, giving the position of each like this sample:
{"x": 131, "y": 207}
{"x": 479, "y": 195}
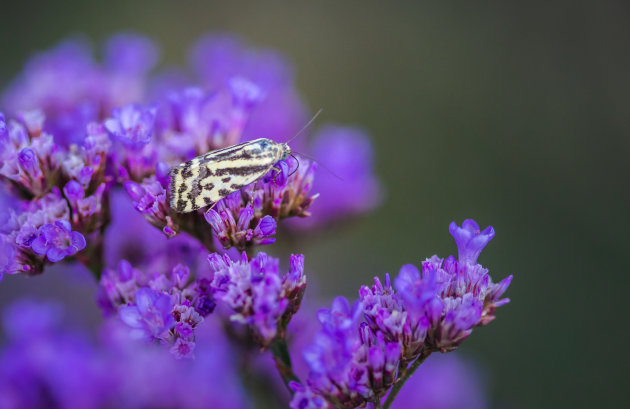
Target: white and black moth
{"x": 206, "y": 179}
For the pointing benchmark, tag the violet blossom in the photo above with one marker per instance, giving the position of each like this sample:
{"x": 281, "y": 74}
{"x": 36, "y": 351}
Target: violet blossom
{"x": 353, "y": 363}
{"x": 218, "y": 58}
{"x": 165, "y": 305}
{"x": 48, "y": 365}
{"x": 72, "y": 89}
{"x": 256, "y": 294}
{"x": 348, "y": 186}
{"x": 56, "y": 241}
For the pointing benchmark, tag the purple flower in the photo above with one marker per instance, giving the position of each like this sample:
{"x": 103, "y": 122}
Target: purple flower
{"x": 354, "y": 189}
{"x": 451, "y": 296}
{"x": 130, "y": 54}
{"x": 443, "y": 382}
{"x": 249, "y": 216}
{"x": 470, "y": 239}
{"x": 45, "y": 364}
{"x": 349, "y": 364}
{"x": 192, "y": 121}
{"x": 73, "y": 191}
{"x": 305, "y": 398}
{"x": 20, "y": 228}
{"x": 151, "y": 316}
{"x": 256, "y": 293}
{"x": 236, "y": 227}
{"x": 29, "y": 159}
{"x": 168, "y": 303}
{"x": 29, "y": 162}
{"x": 57, "y": 241}
{"x": 65, "y": 83}
{"x": 149, "y": 198}
{"x": 132, "y": 125}
{"x": 222, "y": 59}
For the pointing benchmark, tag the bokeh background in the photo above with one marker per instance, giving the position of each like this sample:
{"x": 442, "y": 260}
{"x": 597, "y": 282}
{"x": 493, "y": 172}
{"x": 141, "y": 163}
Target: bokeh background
{"x": 516, "y": 115}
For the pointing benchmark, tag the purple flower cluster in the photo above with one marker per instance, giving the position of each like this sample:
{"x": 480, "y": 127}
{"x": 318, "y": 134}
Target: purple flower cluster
{"x": 79, "y": 126}
{"x": 256, "y": 294}
{"x": 73, "y": 90}
{"x": 188, "y": 123}
{"x": 352, "y": 189}
{"x": 37, "y": 234}
{"x": 349, "y": 364}
{"x": 63, "y": 194}
{"x": 47, "y": 366}
{"x": 166, "y": 307}
{"x": 83, "y": 136}
{"x": 249, "y": 216}
{"x": 434, "y": 310}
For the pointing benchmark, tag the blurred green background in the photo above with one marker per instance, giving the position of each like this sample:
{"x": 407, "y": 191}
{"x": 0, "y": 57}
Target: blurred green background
{"x": 516, "y": 115}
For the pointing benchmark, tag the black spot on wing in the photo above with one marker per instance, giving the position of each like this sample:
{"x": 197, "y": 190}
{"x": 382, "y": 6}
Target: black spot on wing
{"x": 186, "y": 172}
{"x": 226, "y": 179}
{"x": 242, "y": 170}
{"x": 224, "y": 192}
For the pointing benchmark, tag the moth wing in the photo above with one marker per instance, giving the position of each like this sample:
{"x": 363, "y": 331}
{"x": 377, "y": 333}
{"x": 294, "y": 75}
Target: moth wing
{"x": 209, "y": 178}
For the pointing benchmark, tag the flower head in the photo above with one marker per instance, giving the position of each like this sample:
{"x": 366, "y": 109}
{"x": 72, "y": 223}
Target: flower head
{"x": 353, "y": 189}
{"x": 166, "y": 305}
{"x": 151, "y": 316}
{"x": 132, "y": 125}
{"x": 256, "y": 293}
{"x": 470, "y": 239}
{"x": 57, "y": 241}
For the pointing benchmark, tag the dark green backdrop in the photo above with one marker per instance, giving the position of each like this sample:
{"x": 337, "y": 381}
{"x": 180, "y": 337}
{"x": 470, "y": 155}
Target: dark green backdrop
{"x": 515, "y": 115}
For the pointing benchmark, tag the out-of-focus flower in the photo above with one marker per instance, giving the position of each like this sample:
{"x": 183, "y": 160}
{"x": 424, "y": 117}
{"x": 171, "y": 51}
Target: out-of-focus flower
{"x": 151, "y": 316}
{"x": 353, "y": 189}
{"x": 167, "y": 306}
{"x": 443, "y": 382}
{"x": 256, "y": 293}
{"x": 132, "y": 125}
{"x": 73, "y": 90}
{"x": 218, "y": 59}
{"x": 45, "y": 365}
{"x": 22, "y": 227}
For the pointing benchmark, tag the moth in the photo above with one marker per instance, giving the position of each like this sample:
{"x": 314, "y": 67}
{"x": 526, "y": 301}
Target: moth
{"x": 206, "y": 179}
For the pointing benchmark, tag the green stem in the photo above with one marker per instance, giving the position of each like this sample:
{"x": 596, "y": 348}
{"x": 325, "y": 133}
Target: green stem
{"x": 403, "y": 378}
{"x": 281, "y": 357}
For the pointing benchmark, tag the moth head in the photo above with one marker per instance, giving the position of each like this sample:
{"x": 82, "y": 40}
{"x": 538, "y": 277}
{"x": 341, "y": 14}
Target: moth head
{"x": 286, "y": 151}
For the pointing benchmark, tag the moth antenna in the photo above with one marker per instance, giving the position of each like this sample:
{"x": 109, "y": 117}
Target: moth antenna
{"x": 321, "y": 164}
{"x": 306, "y": 126}
{"x": 298, "y": 164}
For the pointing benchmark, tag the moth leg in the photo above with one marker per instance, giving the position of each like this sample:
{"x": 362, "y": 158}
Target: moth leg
{"x": 278, "y": 170}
